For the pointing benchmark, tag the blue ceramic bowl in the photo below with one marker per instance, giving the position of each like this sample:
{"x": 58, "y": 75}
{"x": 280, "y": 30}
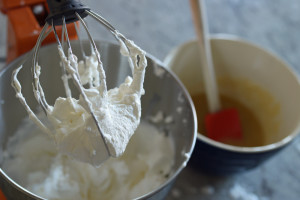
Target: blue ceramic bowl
{"x": 237, "y": 59}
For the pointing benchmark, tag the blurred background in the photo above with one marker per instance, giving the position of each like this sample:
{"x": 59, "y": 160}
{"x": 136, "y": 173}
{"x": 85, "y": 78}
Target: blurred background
{"x": 158, "y": 26}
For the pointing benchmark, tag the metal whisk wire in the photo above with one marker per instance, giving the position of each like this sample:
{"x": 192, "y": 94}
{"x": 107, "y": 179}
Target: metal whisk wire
{"x": 35, "y": 72}
{"x": 62, "y": 13}
{"x": 95, "y": 50}
{"x": 106, "y": 24}
{"x": 75, "y": 75}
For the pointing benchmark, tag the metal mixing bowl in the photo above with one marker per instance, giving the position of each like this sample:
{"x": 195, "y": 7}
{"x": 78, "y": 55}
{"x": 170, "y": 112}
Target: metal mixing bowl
{"x": 163, "y": 93}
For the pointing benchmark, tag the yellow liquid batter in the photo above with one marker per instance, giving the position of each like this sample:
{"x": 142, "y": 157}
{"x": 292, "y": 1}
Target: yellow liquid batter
{"x": 252, "y": 130}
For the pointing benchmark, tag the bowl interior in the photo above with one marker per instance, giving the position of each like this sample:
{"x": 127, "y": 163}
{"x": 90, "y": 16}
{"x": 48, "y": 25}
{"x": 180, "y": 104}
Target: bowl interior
{"x": 163, "y": 93}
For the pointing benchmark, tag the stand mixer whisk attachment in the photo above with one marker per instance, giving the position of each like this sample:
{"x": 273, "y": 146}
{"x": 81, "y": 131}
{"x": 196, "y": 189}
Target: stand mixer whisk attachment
{"x": 79, "y": 123}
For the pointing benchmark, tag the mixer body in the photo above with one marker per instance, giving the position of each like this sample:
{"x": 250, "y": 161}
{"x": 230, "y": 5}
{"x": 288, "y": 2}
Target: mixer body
{"x": 25, "y": 19}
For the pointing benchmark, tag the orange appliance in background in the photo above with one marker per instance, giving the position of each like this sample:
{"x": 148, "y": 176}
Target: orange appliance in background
{"x": 2, "y": 197}
{"x": 25, "y": 20}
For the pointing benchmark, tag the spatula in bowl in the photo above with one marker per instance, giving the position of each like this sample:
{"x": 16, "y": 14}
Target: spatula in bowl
{"x": 220, "y": 124}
